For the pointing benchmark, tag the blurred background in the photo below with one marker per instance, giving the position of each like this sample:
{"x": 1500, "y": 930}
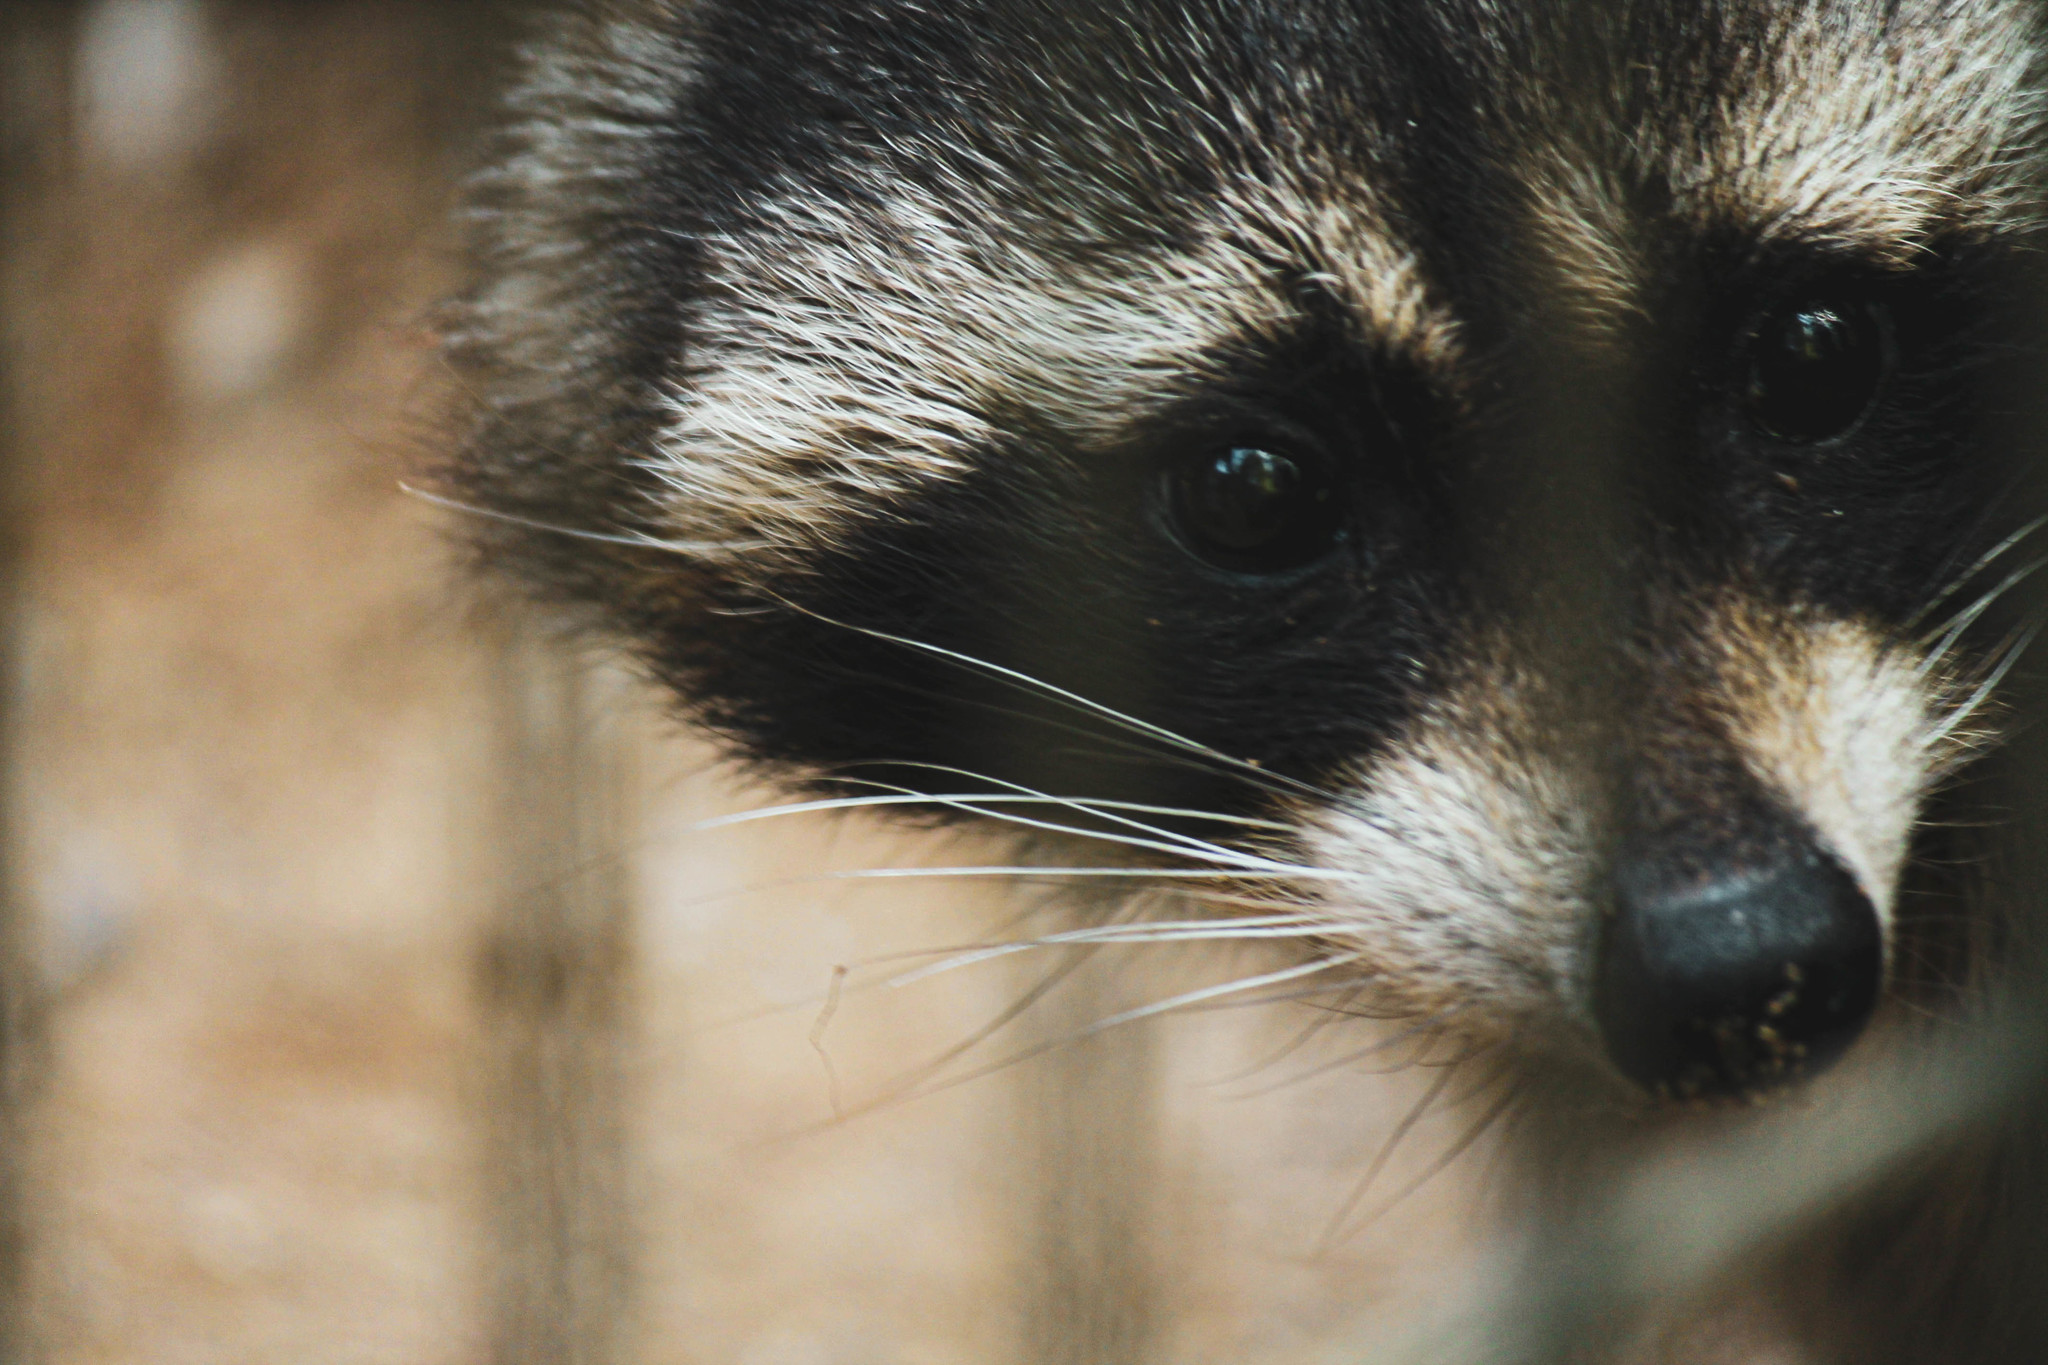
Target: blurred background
{"x": 376, "y": 991}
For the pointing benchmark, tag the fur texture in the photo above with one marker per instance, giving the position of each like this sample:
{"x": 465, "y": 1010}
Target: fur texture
{"x": 851, "y": 362}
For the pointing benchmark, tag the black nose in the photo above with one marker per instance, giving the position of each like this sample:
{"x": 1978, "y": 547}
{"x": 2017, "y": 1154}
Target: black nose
{"x": 1738, "y": 982}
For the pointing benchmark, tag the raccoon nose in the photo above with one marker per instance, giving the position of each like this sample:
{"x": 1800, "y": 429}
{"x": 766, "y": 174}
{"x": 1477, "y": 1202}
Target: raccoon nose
{"x": 1739, "y": 982}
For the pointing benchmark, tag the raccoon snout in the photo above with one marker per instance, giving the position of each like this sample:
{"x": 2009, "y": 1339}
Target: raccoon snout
{"x": 1738, "y": 982}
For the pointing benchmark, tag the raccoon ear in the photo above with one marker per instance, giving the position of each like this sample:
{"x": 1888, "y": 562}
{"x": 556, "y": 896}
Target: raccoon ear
{"x": 1816, "y": 367}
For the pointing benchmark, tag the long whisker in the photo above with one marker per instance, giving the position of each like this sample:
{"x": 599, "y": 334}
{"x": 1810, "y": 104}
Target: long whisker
{"x": 1226, "y": 857}
{"x": 1193, "y": 997}
{"x": 1123, "y": 746}
{"x": 1150, "y": 752}
{"x": 843, "y": 973}
{"x": 1074, "y": 699}
{"x": 1984, "y": 561}
{"x": 1235, "y": 865}
{"x": 956, "y": 956}
{"x": 1037, "y": 991}
{"x": 1963, "y": 620}
{"x": 1182, "y": 845}
{"x": 912, "y": 798}
{"x": 2011, "y": 656}
{"x": 1186, "y": 931}
{"x": 1200, "y": 896}
{"x": 1340, "y": 1011}
{"x": 1118, "y": 1020}
{"x": 1053, "y": 875}
{"x": 1088, "y": 805}
{"x": 1273, "y": 872}
{"x": 637, "y": 540}
{"x": 1154, "y": 733}
{"x": 1023, "y": 876}
{"x": 1090, "y": 937}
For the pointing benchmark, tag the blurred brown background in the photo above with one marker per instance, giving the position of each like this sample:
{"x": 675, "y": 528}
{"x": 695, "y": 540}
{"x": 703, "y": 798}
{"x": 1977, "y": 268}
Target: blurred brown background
{"x": 376, "y": 998}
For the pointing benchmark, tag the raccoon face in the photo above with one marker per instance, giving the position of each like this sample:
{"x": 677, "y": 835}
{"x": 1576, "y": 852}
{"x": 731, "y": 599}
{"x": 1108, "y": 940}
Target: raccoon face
{"x": 1518, "y": 484}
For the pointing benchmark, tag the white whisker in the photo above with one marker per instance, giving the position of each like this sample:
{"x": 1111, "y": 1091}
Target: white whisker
{"x": 1216, "y": 992}
{"x": 1130, "y": 1016}
{"x": 1075, "y": 699}
{"x": 1181, "y": 845}
{"x": 1984, "y": 689}
{"x": 1962, "y": 621}
{"x": 1093, "y": 805}
{"x": 1226, "y": 857}
{"x": 638, "y": 540}
{"x": 1955, "y": 585}
{"x": 1170, "y": 841}
{"x": 1185, "y": 931}
{"x": 1304, "y": 993}
{"x": 1051, "y": 876}
{"x": 912, "y": 798}
{"x": 1271, "y": 872}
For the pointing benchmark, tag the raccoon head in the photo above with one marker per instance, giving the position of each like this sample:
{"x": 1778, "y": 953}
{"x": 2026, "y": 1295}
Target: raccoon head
{"x": 1516, "y": 484}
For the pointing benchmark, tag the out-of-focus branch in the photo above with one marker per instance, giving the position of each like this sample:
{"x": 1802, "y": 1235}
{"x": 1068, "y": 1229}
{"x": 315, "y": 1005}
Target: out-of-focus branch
{"x": 35, "y": 106}
{"x": 555, "y": 980}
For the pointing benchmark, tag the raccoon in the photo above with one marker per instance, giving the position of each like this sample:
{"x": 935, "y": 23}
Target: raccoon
{"x": 1526, "y": 496}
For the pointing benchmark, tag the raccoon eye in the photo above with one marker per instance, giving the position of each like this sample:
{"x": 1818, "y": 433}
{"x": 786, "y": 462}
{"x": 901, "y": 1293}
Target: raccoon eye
{"x": 1254, "y": 509}
{"x": 1815, "y": 369}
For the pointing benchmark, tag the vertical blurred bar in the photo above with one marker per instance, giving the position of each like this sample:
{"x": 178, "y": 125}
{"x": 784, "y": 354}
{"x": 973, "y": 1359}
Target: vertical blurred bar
{"x": 1555, "y": 524}
{"x": 555, "y": 984}
{"x": 1088, "y": 1154}
{"x": 34, "y": 137}
{"x": 2015, "y": 1188}
{"x": 1089, "y": 1131}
